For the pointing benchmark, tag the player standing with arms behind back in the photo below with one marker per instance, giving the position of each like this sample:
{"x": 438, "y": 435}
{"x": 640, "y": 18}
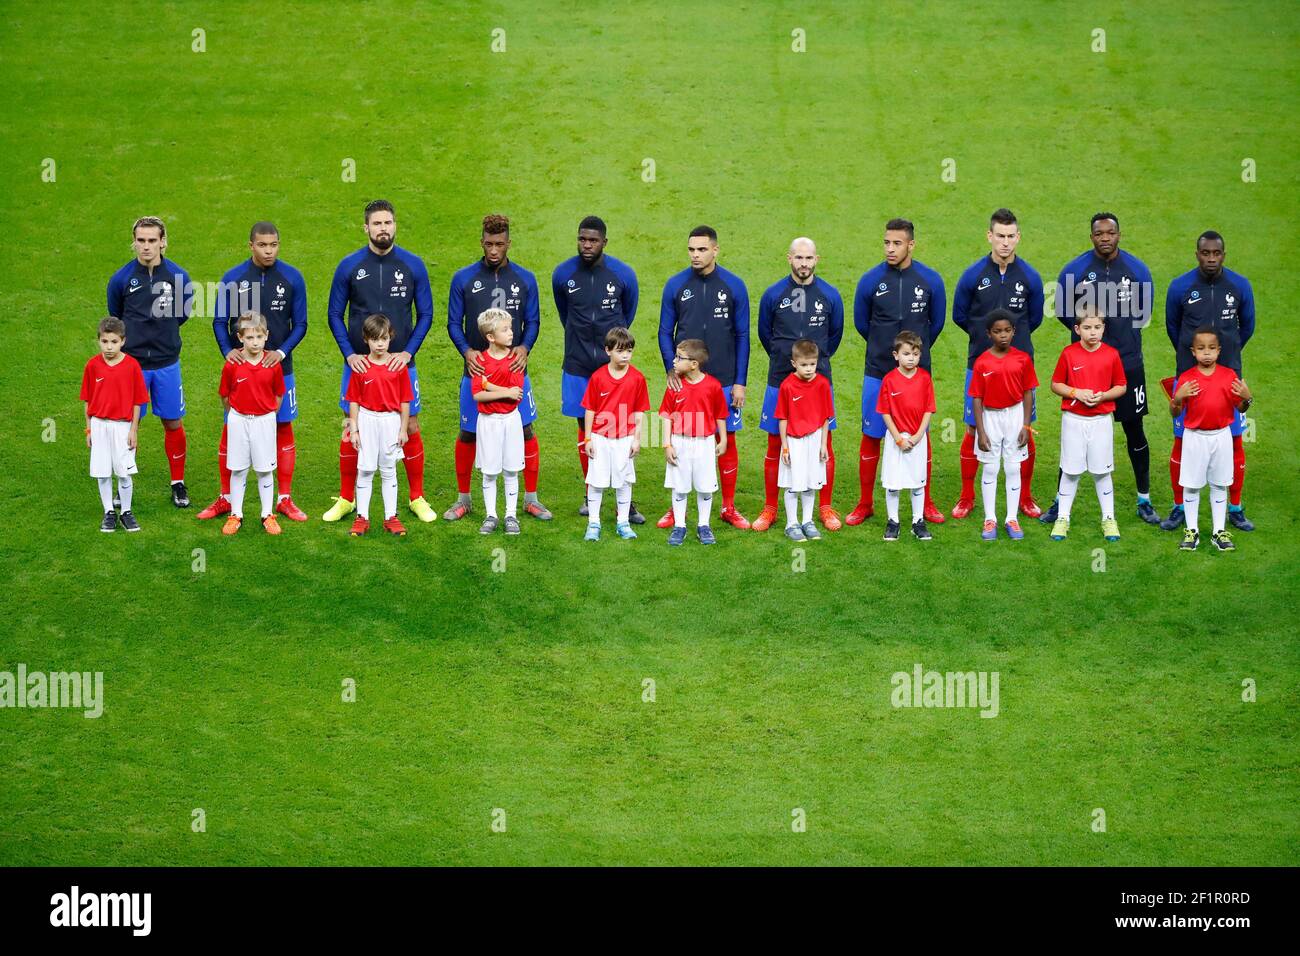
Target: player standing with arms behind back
{"x": 153, "y": 296}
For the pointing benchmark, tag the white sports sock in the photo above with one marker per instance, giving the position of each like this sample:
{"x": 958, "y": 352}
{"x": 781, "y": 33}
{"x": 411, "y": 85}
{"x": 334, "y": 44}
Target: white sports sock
{"x": 1192, "y": 508}
{"x": 490, "y": 495}
{"x": 918, "y": 504}
{"x": 679, "y": 510}
{"x": 623, "y": 501}
{"x": 365, "y": 485}
{"x": 808, "y": 498}
{"x": 125, "y": 488}
{"x": 594, "y": 496}
{"x": 1013, "y": 489}
{"x": 1218, "y": 507}
{"x": 388, "y": 489}
{"x": 891, "y": 504}
{"x": 238, "y": 482}
{"x": 106, "y": 493}
{"x": 1065, "y": 495}
{"x": 1105, "y": 495}
{"x": 512, "y": 492}
{"x": 989, "y": 490}
{"x": 704, "y": 505}
{"x": 791, "y": 509}
{"x": 266, "y": 490}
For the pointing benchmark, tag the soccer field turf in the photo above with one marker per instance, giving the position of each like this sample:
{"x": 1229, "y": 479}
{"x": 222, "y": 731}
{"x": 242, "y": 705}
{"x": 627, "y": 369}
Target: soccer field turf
{"x": 481, "y": 689}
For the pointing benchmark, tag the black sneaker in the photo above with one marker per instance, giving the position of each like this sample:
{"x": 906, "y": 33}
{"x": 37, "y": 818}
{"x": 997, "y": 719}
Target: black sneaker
{"x": 180, "y": 497}
{"x": 128, "y": 521}
{"x": 634, "y": 516}
{"x": 1190, "y": 540}
{"x": 1148, "y": 513}
{"x": 1239, "y": 521}
{"x": 109, "y": 524}
{"x": 1175, "y": 520}
{"x": 921, "y": 532}
{"x": 1051, "y": 514}
{"x": 1223, "y": 541}
{"x": 891, "y": 531}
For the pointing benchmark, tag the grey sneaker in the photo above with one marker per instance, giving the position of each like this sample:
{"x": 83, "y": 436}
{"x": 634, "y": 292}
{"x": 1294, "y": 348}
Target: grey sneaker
{"x": 811, "y": 533}
{"x": 488, "y": 526}
{"x": 512, "y": 524}
{"x": 794, "y": 532}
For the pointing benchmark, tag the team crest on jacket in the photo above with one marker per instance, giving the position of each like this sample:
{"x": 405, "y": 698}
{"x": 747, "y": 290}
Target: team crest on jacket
{"x": 817, "y": 305}
{"x": 1020, "y": 287}
{"x": 611, "y": 288}
{"x": 920, "y": 293}
{"x": 722, "y": 297}
{"x": 279, "y": 288}
{"x": 514, "y": 289}
{"x": 1230, "y": 299}
{"x": 397, "y": 276}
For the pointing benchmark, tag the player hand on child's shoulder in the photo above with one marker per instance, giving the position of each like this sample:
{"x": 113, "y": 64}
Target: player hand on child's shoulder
{"x": 399, "y": 360}
{"x": 272, "y": 358}
{"x": 474, "y": 361}
{"x": 518, "y": 358}
{"x": 235, "y": 356}
{"x": 358, "y": 362}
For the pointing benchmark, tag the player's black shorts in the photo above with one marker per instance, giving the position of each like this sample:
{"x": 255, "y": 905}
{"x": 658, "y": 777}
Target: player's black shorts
{"x": 1133, "y": 403}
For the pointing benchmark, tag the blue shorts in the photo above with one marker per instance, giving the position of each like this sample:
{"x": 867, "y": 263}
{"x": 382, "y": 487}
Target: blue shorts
{"x": 968, "y": 409}
{"x": 288, "y": 410}
{"x": 873, "y": 423}
{"x": 166, "y": 399}
{"x": 572, "y": 389}
{"x": 1236, "y": 428}
{"x": 469, "y": 407}
{"x": 734, "y": 422}
{"x": 768, "y": 420}
{"x": 347, "y": 375}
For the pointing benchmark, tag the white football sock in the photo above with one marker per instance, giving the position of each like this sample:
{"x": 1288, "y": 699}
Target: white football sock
{"x": 106, "y": 493}
{"x": 989, "y": 490}
{"x": 918, "y": 504}
{"x": 891, "y": 504}
{"x": 125, "y": 488}
{"x": 490, "y": 495}
{"x": 808, "y": 498}
{"x": 1218, "y": 507}
{"x": 594, "y": 496}
{"x": 266, "y": 490}
{"x": 1105, "y": 495}
{"x": 388, "y": 489}
{"x": 704, "y": 505}
{"x": 1065, "y": 495}
{"x": 238, "y": 483}
{"x": 365, "y": 485}
{"x": 623, "y": 501}
{"x": 1013, "y": 489}
{"x": 1192, "y": 508}
{"x": 791, "y": 509}
{"x": 512, "y": 492}
{"x": 679, "y": 510}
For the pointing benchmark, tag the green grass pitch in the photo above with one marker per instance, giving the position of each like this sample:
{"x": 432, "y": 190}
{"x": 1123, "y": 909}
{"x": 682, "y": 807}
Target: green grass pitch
{"x": 522, "y": 690}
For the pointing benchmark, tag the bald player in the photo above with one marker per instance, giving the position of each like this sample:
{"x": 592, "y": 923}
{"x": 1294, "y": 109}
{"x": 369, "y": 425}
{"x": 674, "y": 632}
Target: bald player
{"x": 800, "y": 306}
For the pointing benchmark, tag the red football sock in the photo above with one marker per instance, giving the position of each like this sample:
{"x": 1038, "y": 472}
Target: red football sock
{"x": 1175, "y": 465}
{"x": 221, "y": 463}
{"x": 828, "y": 489}
{"x": 728, "y": 466}
{"x": 1238, "y": 471}
{"x": 1027, "y": 471}
{"x": 582, "y": 449}
{"x": 347, "y": 471}
{"x": 465, "y": 464}
{"x": 174, "y": 443}
{"x": 929, "y": 466}
{"x": 532, "y": 464}
{"x": 413, "y": 460}
{"x": 970, "y": 465}
{"x": 868, "y": 459}
{"x": 771, "y": 465}
{"x": 286, "y": 456}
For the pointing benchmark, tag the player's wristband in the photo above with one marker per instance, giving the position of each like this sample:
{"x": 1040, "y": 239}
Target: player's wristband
{"x": 87, "y": 431}
{"x": 1071, "y": 393}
